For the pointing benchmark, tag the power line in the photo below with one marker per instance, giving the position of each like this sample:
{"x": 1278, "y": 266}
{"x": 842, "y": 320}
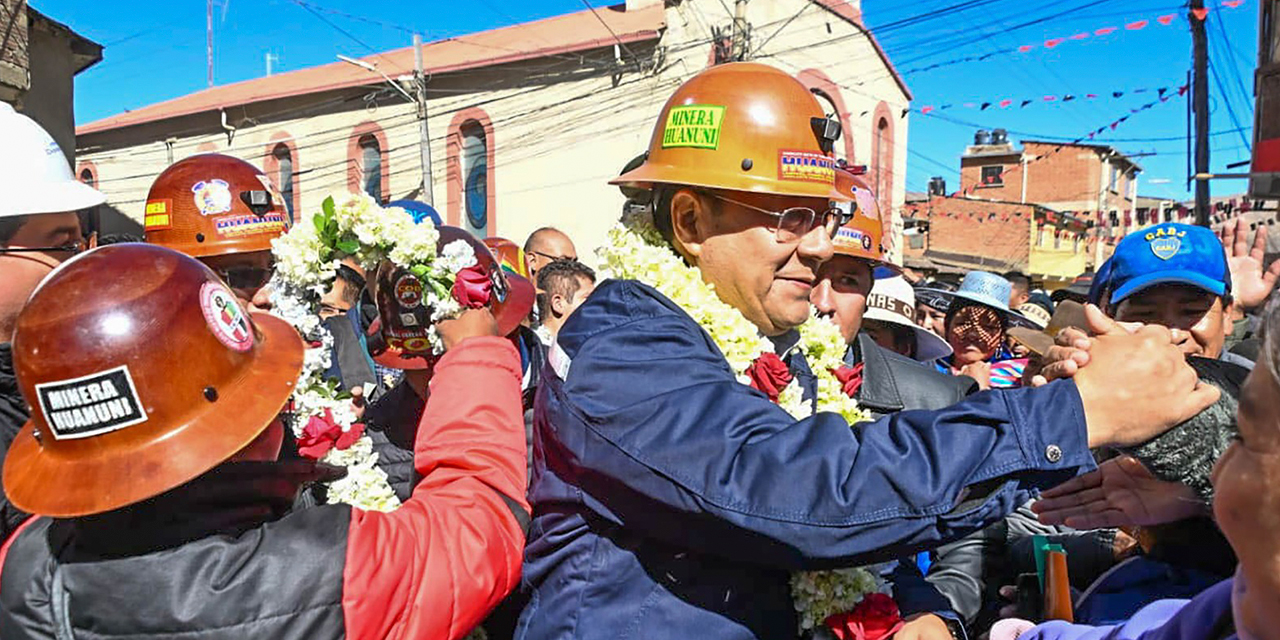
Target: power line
{"x": 634, "y": 59}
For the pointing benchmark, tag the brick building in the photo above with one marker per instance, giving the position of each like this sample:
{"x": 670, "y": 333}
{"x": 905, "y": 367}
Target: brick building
{"x": 949, "y": 236}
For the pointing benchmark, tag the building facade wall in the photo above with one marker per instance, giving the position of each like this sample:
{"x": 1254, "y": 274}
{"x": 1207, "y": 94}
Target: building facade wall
{"x": 556, "y": 132}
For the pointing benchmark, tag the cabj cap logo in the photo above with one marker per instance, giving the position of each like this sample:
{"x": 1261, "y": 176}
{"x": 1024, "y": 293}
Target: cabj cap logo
{"x": 1165, "y": 242}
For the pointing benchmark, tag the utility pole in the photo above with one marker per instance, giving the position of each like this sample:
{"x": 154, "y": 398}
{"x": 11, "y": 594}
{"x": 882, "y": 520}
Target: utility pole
{"x": 1200, "y": 105}
{"x": 424, "y": 141}
{"x": 739, "y": 39}
{"x": 271, "y": 57}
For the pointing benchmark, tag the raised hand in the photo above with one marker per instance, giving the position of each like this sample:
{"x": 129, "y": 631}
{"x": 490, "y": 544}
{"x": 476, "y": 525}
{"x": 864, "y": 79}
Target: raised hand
{"x": 1121, "y": 492}
{"x": 1250, "y": 285}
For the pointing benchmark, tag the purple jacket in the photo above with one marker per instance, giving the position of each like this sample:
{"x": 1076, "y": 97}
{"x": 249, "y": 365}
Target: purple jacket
{"x": 1205, "y": 617}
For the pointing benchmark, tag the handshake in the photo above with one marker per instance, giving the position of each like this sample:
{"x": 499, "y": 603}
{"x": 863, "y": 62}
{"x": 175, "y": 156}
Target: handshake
{"x": 1134, "y": 381}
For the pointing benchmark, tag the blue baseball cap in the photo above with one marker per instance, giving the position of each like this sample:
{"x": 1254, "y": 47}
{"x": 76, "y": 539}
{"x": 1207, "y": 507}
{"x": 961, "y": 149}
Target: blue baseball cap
{"x": 1101, "y": 283}
{"x": 1169, "y": 253}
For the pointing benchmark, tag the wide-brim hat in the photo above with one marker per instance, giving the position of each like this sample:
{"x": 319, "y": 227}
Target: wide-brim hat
{"x": 40, "y": 480}
{"x": 1068, "y": 313}
{"x": 989, "y": 290}
{"x": 892, "y": 300}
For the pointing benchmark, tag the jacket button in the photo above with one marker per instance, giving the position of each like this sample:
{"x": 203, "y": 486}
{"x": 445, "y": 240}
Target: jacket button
{"x": 1053, "y": 453}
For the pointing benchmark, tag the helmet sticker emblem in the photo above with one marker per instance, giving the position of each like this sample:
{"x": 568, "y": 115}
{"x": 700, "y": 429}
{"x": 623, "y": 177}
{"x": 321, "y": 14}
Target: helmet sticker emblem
{"x": 90, "y": 405}
{"x": 224, "y": 316}
{"x": 158, "y": 215}
{"x": 499, "y": 284}
{"x": 806, "y": 166}
{"x": 693, "y": 125}
{"x": 248, "y": 225}
{"x": 409, "y": 291}
{"x": 212, "y": 197}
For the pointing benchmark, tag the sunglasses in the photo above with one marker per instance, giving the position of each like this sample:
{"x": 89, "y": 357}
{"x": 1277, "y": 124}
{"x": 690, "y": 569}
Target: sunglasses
{"x": 551, "y": 257}
{"x": 71, "y": 247}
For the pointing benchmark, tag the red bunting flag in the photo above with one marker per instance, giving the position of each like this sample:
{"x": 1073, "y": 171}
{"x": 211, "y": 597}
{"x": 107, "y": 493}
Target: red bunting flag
{"x": 1200, "y": 14}
{"x": 1232, "y": 3}
{"x": 1104, "y": 31}
{"x": 1080, "y": 36}
{"x": 926, "y": 109}
{"x": 1050, "y": 98}
{"x": 1004, "y": 103}
{"x": 1166, "y": 19}
{"x": 1025, "y": 48}
{"x": 1051, "y": 43}
{"x": 1134, "y": 26}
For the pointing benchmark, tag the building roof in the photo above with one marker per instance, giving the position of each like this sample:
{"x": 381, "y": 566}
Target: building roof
{"x": 550, "y": 36}
{"x": 1105, "y": 149}
{"x": 84, "y": 51}
{"x": 853, "y": 16}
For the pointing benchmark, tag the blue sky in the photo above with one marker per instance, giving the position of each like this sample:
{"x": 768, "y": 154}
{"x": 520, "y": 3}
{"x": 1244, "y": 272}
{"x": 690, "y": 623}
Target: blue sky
{"x": 155, "y": 50}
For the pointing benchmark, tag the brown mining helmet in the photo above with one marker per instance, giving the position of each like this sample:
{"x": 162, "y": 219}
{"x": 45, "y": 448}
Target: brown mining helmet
{"x": 397, "y": 338}
{"x": 213, "y": 204}
{"x": 742, "y": 126}
{"x": 509, "y": 255}
{"x": 142, "y": 373}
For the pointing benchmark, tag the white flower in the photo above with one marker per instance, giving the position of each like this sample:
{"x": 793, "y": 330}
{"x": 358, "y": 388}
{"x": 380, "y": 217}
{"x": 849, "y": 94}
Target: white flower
{"x": 456, "y": 256}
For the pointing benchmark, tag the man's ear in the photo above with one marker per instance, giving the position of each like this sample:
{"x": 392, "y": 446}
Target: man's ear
{"x": 558, "y": 304}
{"x": 1228, "y": 316}
{"x": 689, "y": 223}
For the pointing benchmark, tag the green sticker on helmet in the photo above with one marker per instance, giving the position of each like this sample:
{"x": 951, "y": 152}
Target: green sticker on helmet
{"x": 693, "y": 125}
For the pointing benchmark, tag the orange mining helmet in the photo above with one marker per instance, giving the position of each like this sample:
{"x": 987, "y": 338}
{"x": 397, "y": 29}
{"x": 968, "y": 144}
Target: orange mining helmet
{"x": 742, "y": 126}
{"x": 152, "y": 377}
{"x": 213, "y": 204}
{"x": 863, "y": 235}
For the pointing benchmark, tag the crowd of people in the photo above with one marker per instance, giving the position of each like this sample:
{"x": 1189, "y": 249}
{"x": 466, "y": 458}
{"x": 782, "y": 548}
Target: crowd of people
{"x": 365, "y": 423}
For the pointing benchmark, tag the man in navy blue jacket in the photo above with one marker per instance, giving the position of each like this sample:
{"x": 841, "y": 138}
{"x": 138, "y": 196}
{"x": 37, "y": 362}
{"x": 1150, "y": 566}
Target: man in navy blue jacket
{"x": 672, "y": 501}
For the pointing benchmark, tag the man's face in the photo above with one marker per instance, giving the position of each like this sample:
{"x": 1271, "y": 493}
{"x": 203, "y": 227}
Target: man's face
{"x": 1198, "y": 313}
{"x": 931, "y": 319}
{"x": 564, "y": 306}
{"x": 841, "y": 293}
{"x": 1246, "y": 503}
{"x": 247, "y": 275}
{"x": 768, "y": 281}
{"x": 550, "y": 246}
{"x": 23, "y": 271}
{"x": 894, "y": 337}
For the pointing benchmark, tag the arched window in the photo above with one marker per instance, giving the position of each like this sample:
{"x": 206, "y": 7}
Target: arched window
{"x": 371, "y": 166}
{"x": 87, "y": 177}
{"x": 284, "y": 174}
{"x": 475, "y": 176}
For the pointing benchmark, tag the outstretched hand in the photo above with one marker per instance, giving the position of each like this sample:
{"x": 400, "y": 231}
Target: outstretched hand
{"x": 1071, "y": 346}
{"x": 1121, "y": 492}
{"x": 1250, "y": 284}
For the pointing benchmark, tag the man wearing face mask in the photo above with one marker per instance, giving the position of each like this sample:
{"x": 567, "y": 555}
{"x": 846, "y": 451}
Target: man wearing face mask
{"x": 39, "y": 228}
{"x": 224, "y": 212}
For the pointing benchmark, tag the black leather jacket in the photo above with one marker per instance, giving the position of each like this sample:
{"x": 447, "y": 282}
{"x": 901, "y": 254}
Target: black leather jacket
{"x": 13, "y": 414}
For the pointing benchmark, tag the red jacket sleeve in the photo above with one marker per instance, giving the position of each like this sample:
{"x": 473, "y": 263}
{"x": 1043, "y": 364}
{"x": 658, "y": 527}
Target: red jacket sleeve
{"x": 437, "y": 565}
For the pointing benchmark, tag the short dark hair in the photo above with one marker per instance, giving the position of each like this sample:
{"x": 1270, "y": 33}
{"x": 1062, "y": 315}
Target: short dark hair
{"x": 562, "y": 277}
{"x": 118, "y": 238}
{"x": 9, "y": 228}
{"x": 355, "y": 284}
{"x": 1018, "y": 280}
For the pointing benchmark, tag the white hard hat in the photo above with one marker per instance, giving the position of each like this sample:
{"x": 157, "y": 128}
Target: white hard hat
{"x": 892, "y": 300}
{"x": 34, "y": 175}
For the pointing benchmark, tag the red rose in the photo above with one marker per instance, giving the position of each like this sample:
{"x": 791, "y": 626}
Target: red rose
{"x": 875, "y": 618}
{"x": 322, "y": 433}
{"x": 318, "y": 436}
{"x": 472, "y": 287}
{"x": 349, "y": 438}
{"x": 769, "y": 374}
{"x": 850, "y": 379}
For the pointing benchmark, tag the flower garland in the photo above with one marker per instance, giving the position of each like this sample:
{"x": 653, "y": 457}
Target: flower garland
{"x": 307, "y": 258}
{"x": 637, "y": 251}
